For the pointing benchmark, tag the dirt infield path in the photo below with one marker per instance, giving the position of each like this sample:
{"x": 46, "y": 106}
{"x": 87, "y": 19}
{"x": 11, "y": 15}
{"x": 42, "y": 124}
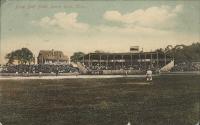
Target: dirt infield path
{"x": 67, "y": 77}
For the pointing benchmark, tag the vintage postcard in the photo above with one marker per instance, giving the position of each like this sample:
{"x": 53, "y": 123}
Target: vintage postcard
{"x": 85, "y": 62}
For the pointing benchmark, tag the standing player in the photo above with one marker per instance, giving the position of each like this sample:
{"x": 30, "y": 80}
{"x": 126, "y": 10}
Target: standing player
{"x": 57, "y": 71}
{"x": 149, "y": 75}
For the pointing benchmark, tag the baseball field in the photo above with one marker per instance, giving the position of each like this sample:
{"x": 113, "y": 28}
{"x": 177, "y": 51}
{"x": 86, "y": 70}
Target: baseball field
{"x": 167, "y": 100}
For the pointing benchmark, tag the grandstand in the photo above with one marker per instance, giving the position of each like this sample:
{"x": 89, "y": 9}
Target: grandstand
{"x": 140, "y": 61}
{"x": 43, "y": 68}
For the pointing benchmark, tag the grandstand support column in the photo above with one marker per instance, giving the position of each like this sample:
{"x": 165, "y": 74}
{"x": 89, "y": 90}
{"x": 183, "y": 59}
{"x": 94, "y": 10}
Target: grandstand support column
{"x": 157, "y": 58}
{"x": 114, "y": 62}
{"x": 131, "y": 60}
{"x": 107, "y": 62}
{"x": 145, "y": 64}
{"x": 89, "y": 60}
{"x": 99, "y": 60}
{"x": 122, "y": 61}
{"x": 151, "y": 61}
{"x": 140, "y": 59}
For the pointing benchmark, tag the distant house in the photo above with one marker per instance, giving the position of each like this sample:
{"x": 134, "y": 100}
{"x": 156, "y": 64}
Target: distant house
{"x": 52, "y": 57}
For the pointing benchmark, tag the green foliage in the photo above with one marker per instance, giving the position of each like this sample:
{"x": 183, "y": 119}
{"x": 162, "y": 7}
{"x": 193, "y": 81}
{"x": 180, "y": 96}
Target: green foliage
{"x": 99, "y": 51}
{"x": 183, "y": 53}
{"x": 76, "y": 56}
{"x": 23, "y": 56}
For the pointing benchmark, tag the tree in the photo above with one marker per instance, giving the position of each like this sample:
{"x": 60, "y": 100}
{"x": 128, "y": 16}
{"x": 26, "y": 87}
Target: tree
{"x": 183, "y": 53}
{"x": 161, "y": 50}
{"x": 10, "y": 57}
{"x": 26, "y": 56}
{"x": 99, "y": 51}
{"x": 23, "y": 56}
{"x": 76, "y": 56}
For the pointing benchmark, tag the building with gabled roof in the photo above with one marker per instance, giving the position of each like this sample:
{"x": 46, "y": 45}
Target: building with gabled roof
{"x": 52, "y": 57}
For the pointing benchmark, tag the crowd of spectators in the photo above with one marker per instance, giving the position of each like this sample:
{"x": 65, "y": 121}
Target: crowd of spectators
{"x": 186, "y": 67}
{"x": 119, "y": 66}
{"x": 38, "y": 68}
{"x": 70, "y": 69}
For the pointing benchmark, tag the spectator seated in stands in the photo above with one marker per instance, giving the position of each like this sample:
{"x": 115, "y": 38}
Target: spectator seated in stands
{"x": 38, "y": 68}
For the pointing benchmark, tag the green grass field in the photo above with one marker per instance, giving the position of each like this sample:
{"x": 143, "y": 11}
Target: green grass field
{"x": 169, "y": 100}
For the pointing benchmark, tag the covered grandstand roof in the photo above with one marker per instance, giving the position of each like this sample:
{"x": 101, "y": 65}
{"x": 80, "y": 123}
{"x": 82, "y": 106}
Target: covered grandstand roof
{"x": 120, "y": 53}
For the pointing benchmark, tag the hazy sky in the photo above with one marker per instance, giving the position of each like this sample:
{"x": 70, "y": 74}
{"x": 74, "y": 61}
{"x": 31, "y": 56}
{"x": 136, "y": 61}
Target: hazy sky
{"x": 87, "y": 26}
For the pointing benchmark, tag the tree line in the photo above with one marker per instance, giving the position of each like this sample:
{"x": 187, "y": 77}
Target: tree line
{"x": 181, "y": 53}
{"x": 22, "y": 56}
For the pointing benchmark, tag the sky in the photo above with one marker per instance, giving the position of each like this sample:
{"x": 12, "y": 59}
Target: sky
{"x": 111, "y": 26}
